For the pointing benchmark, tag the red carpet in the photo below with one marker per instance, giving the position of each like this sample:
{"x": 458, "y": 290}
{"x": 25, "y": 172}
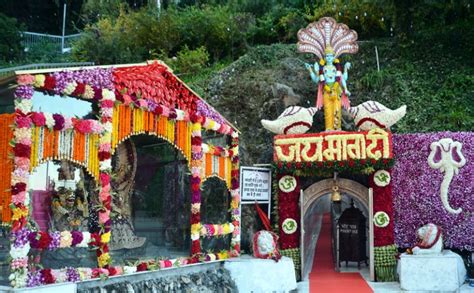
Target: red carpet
{"x": 323, "y": 278}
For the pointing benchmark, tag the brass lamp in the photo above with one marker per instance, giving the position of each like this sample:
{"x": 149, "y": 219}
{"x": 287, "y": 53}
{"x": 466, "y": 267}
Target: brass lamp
{"x": 335, "y": 195}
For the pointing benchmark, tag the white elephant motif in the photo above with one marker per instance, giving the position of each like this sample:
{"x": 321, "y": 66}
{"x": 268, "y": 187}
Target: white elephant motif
{"x": 442, "y": 157}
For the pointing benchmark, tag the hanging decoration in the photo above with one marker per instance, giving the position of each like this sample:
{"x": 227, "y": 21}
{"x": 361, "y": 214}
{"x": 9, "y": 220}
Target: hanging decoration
{"x": 171, "y": 125}
{"x": 6, "y": 167}
{"x": 385, "y": 263}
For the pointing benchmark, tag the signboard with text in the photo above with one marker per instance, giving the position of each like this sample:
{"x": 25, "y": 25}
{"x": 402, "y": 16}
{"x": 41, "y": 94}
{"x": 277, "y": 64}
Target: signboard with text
{"x": 255, "y": 184}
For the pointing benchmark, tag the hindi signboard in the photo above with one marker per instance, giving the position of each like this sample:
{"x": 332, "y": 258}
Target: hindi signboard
{"x": 255, "y": 184}
{"x": 374, "y": 144}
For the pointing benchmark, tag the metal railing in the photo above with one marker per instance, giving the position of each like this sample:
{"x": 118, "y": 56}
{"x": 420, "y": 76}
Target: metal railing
{"x": 62, "y": 44}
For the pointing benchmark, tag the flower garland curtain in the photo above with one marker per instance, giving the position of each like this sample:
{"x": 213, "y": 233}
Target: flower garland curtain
{"x": 6, "y": 167}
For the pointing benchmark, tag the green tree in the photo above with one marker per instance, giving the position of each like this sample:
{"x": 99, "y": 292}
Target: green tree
{"x": 10, "y": 39}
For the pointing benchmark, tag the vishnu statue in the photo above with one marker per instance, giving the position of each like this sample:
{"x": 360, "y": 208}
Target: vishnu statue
{"x": 328, "y": 40}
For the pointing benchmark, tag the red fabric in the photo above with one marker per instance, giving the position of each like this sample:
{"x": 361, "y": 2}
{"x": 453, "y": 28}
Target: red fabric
{"x": 263, "y": 217}
{"x": 323, "y": 278}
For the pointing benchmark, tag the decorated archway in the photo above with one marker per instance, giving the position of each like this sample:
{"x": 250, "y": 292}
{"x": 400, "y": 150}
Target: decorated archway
{"x": 320, "y": 188}
{"x": 312, "y": 196}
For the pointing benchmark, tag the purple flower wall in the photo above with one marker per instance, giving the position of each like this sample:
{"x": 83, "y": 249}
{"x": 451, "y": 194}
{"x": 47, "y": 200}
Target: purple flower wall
{"x": 416, "y": 190}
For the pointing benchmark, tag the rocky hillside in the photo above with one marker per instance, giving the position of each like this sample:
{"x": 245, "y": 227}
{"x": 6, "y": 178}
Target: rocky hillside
{"x": 435, "y": 82}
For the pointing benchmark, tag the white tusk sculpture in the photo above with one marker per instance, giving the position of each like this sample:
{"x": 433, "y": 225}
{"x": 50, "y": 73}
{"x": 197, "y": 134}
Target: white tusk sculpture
{"x": 294, "y": 120}
{"x": 372, "y": 114}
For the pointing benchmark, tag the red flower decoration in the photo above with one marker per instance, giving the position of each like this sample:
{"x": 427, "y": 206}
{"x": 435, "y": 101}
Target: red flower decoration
{"x": 18, "y": 187}
{"x": 22, "y": 150}
{"x": 104, "y": 179}
{"x": 195, "y": 247}
{"x": 142, "y": 267}
{"x": 38, "y": 119}
{"x": 104, "y": 156}
{"x": 49, "y": 83}
{"x": 47, "y": 276}
{"x": 79, "y": 90}
{"x": 112, "y": 271}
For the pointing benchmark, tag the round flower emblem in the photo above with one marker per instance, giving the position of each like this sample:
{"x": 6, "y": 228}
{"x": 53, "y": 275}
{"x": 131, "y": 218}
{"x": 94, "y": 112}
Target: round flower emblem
{"x": 289, "y": 226}
{"x": 381, "y": 219}
{"x": 287, "y": 183}
{"x": 382, "y": 178}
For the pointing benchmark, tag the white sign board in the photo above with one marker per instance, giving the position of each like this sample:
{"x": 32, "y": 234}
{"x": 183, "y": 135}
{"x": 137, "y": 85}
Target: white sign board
{"x": 255, "y": 184}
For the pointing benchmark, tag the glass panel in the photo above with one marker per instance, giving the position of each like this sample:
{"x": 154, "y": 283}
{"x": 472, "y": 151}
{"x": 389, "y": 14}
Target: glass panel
{"x": 151, "y": 207}
{"x": 215, "y": 202}
{"x": 67, "y": 106}
{"x": 214, "y": 138}
{"x": 4, "y": 255}
{"x": 216, "y": 244}
{"x": 63, "y": 197}
{"x": 60, "y": 194}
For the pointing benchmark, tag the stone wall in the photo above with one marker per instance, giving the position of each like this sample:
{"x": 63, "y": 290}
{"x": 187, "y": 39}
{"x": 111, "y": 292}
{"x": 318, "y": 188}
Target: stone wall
{"x": 212, "y": 280}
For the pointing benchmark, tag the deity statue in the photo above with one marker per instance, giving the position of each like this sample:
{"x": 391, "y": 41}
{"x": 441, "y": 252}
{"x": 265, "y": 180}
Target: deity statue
{"x": 70, "y": 210}
{"x": 69, "y": 200}
{"x": 123, "y": 181}
{"x": 328, "y": 40}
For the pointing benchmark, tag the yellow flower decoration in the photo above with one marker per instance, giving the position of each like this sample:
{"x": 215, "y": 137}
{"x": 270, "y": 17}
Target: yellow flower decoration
{"x": 212, "y": 123}
{"x": 322, "y": 62}
{"x": 234, "y": 204}
{"x": 196, "y": 127}
{"x": 105, "y": 238}
{"x": 226, "y": 228}
{"x": 195, "y": 228}
{"x": 106, "y": 137}
{"x": 223, "y": 255}
{"x": 104, "y": 259}
{"x": 336, "y": 60}
{"x": 39, "y": 80}
{"x": 19, "y": 213}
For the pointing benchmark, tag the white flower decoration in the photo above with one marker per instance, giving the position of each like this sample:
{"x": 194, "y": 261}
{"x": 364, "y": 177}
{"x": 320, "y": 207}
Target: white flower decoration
{"x": 70, "y": 87}
{"x": 24, "y": 105}
{"x": 129, "y": 270}
{"x": 19, "y": 252}
{"x": 49, "y": 120}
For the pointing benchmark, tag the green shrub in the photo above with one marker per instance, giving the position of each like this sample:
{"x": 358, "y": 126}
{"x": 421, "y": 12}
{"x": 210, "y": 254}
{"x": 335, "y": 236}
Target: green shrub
{"x": 190, "y": 61}
{"x": 10, "y": 39}
{"x": 368, "y": 18}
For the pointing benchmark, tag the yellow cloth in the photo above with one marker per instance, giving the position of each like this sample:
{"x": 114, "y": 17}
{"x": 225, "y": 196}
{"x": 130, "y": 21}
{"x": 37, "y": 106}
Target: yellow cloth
{"x": 332, "y": 106}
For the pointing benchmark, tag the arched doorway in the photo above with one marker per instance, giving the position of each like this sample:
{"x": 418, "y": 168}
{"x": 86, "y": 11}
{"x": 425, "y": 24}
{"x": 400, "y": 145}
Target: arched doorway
{"x": 314, "y": 195}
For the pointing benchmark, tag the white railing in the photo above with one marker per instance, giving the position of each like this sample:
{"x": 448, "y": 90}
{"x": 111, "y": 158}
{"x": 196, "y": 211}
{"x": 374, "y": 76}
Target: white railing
{"x": 61, "y": 43}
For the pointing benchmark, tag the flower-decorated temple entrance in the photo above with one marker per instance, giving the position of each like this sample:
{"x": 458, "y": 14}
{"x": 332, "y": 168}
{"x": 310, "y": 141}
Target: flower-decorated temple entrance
{"x": 316, "y": 201}
{"x": 327, "y": 159}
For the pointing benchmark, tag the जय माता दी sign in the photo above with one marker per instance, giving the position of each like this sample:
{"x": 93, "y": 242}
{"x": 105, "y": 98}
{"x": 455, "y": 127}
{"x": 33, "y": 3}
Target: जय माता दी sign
{"x": 255, "y": 183}
{"x": 333, "y": 146}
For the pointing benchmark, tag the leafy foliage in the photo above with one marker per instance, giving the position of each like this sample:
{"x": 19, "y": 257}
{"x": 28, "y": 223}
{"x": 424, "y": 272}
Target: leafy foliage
{"x": 10, "y": 46}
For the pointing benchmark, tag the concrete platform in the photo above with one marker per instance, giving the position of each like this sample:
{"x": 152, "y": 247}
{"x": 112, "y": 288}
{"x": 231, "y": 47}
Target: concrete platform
{"x": 262, "y": 275}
